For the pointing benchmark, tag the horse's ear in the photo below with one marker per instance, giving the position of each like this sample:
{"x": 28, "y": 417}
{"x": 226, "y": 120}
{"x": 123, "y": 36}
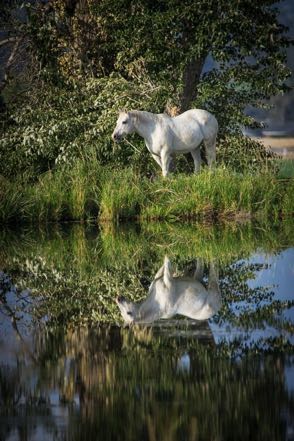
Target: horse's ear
{"x": 123, "y": 111}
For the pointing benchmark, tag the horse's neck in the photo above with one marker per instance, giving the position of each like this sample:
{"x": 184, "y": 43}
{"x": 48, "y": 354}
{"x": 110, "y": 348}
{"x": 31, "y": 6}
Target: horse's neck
{"x": 143, "y": 123}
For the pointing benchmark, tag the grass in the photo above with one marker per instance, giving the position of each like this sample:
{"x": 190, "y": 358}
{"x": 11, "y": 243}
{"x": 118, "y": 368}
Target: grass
{"x": 69, "y": 194}
{"x": 210, "y": 194}
{"x": 285, "y": 168}
{"x": 87, "y": 190}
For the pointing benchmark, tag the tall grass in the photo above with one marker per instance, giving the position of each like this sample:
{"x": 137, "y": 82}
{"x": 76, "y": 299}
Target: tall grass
{"x": 122, "y": 195}
{"x": 285, "y": 168}
{"x": 13, "y": 204}
{"x": 87, "y": 190}
{"x": 63, "y": 194}
{"x": 214, "y": 194}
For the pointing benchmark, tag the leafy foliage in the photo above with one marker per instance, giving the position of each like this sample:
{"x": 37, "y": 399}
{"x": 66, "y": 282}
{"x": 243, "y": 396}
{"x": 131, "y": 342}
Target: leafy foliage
{"x": 100, "y": 37}
{"x": 66, "y": 124}
{"x": 90, "y": 58}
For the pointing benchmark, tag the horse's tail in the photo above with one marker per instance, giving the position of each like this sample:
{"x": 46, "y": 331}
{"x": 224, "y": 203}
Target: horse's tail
{"x": 210, "y": 131}
{"x": 210, "y": 127}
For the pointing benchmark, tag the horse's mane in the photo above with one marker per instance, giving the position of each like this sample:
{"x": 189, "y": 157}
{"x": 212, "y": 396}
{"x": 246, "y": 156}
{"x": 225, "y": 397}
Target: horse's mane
{"x": 146, "y": 116}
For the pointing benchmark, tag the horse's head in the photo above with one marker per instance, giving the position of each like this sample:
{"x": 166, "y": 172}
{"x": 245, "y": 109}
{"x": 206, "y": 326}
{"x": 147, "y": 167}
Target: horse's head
{"x": 124, "y": 126}
{"x": 127, "y": 309}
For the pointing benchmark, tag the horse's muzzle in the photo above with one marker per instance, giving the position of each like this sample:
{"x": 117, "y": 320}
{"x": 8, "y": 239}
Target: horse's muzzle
{"x": 116, "y": 137}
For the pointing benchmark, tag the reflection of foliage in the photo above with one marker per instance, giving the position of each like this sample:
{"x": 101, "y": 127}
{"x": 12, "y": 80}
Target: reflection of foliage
{"x": 77, "y": 274}
{"x": 252, "y": 309}
{"x": 69, "y": 299}
{"x": 248, "y": 307}
{"x": 116, "y": 383}
{"x": 241, "y": 300}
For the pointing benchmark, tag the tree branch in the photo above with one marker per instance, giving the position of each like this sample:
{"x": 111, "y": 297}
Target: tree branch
{"x": 9, "y": 62}
{"x": 8, "y": 40}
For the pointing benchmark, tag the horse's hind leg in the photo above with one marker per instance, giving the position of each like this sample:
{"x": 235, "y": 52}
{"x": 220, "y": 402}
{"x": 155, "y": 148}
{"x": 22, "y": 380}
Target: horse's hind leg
{"x": 210, "y": 150}
{"x": 199, "y": 271}
{"x": 156, "y": 158}
{"x": 213, "y": 277}
{"x": 196, "y": 155}
{"x": 165, "y": 162}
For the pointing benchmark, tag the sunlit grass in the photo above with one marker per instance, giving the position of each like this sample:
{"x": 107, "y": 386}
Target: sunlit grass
{"x": 88, "y": 191}
{"x": 210, "y": 194}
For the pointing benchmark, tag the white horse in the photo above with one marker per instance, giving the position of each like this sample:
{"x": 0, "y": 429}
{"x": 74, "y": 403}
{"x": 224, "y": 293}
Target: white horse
{"x": 170, "y": 295}
{"x": 165, "y": 136}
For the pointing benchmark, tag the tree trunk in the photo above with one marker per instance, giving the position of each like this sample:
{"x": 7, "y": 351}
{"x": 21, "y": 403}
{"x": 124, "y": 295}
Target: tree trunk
{"x": 191, "y": 78}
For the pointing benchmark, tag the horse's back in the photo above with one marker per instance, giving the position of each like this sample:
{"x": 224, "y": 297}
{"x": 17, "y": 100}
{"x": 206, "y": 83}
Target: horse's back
{"x": 207, "y": 121}
{"x": 192, "y": 299}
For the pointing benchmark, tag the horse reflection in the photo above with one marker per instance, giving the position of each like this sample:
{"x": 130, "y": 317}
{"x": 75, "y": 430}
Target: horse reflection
{"x": 170, "y": 295}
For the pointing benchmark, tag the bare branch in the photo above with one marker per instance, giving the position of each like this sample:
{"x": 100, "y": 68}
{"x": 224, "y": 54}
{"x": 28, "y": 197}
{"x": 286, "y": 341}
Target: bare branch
{"x": 8, "y": 40}
{"x": 9, "y": 62}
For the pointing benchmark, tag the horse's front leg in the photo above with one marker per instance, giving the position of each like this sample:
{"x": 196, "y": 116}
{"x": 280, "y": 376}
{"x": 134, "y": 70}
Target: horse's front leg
{"x": 165, "y": 162}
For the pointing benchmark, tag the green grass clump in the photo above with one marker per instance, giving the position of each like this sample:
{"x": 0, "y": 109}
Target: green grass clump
{"x": 122, "y": 195}
{"x": 50, "y": 198}
{"x": 288, "y": 200}
{"x": 215, "y": 194}
{"x": 88, "y": 189}
{"x": 13, "y": 205}
{"x": 63, "y": 194}
{"x": 285, "y": 168}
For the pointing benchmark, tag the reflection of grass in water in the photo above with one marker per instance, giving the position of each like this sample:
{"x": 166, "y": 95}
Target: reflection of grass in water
{"x": 78, "y": 273}
{"x": 82, "y": 248}
{"x": 222, "y": 242}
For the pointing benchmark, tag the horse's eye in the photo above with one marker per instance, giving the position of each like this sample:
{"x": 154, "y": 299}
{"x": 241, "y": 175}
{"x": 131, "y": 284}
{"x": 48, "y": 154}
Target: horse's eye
{"x": 124, "y": 122}
{"x": 129, "y": 313}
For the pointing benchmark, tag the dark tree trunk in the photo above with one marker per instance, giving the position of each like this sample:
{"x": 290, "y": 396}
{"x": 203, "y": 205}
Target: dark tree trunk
{"x": 191, "y": 77}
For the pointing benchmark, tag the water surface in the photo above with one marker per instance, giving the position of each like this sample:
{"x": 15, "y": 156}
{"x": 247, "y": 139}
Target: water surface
{"x": 71, "y": 369}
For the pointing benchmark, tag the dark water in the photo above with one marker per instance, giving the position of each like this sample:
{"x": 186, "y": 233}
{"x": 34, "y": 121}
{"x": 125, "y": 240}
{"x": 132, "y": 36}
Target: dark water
{"x": 218, "y": 367}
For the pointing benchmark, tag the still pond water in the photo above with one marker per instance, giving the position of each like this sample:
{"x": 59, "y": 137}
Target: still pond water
{"x": 158, "y": 332}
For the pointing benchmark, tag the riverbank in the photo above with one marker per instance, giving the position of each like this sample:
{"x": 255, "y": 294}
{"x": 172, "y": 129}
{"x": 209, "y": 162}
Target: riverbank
{"x": 89, "y": 192}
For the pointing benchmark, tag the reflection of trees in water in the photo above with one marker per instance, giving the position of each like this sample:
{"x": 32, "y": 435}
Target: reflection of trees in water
{"x": 67, "y": 298}
{"x": 22, "y": 409}
{"x": 131, "y": 388}
{"x": 78, "y": 273}
{"x": 127, "y": 381}
{"x": 253, "y": 309}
